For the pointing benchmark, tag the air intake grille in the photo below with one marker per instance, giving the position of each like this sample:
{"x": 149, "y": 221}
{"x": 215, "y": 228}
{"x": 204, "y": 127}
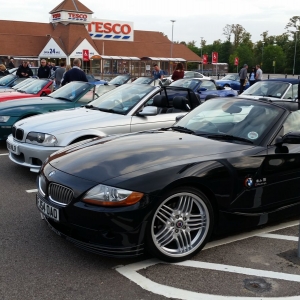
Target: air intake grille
{"x": 60, "y": 194}
{"x": 17, "y": 133}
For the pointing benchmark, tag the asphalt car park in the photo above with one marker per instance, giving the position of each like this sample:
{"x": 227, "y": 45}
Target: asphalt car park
{"x": 38, "y": 264}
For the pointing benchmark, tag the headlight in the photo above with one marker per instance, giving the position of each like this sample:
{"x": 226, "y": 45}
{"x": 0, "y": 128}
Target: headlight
{"x": 4, "y": 119}
{"x": 104, "y": 195}
{"x": 43, "y": 139}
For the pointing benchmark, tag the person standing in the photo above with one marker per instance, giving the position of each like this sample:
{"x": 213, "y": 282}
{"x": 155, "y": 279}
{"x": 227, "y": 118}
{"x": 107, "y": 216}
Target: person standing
{"x": 11, "y": 64}
{"x": 178, "y": 73}
{"x": 24, "y": 71}
{"x": 252, "y": 76}
{"x": 157, "y": 72}
{"x": 58, "y": 75}
{"x": 243, "y": 76}
{"x": 75, "y": 74}
{"x": 44, "y": 71}
{"x": 259, "y": 73}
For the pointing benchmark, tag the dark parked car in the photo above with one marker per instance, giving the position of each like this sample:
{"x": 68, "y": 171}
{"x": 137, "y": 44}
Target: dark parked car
{"x": 205, "y": 88}
{"x": 233, "y": 81}
{"x": 229, "y": 163}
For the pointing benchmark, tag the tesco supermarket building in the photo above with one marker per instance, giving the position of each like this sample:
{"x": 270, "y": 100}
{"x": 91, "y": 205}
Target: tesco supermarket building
{"x": 107, "y": 47}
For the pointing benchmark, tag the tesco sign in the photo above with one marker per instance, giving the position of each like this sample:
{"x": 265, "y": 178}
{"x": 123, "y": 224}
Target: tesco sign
{"x": 111, "y": 30}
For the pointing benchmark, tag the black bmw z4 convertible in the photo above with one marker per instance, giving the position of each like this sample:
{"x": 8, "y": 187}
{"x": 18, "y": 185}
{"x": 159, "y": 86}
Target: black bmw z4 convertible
{"x": 227, "y": 164}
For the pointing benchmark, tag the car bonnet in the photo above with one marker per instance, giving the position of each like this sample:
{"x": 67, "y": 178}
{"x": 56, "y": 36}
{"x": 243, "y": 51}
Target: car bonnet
{"x": 102, "y": 159}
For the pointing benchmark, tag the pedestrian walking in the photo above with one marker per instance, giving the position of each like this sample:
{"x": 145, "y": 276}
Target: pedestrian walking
{"x": 3, "y": 70}
{"x": 178, "y": 73}
{"x": 75, "y": 74}
{"x": 58, "y": 75}
{"x": 11, "y": 64}
{"x": 252, "y": 76}
{"x": 44, "y": 71}
{"x": 243, "y": 77}
{"x": 259, "y": 73}
{"x": 24, "y": 71}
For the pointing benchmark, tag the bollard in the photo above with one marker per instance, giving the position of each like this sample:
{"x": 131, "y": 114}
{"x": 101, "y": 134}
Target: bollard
{"x": 285, "y": 75}
{"x": 218, "y": 76}
{"x": 268, "y": 76}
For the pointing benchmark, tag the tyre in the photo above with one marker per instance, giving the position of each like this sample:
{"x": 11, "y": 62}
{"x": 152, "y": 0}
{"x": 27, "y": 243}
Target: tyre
{"x": 226, "y": 85}
{"x": 180, "y": 225}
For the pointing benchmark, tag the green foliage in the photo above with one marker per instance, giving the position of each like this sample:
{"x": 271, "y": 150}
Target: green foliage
{"x": 279, "y": 49}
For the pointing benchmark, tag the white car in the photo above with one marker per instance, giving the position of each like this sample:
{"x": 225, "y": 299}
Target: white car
{"x": 187, "y": 74}
{"x": 128, "y": 108}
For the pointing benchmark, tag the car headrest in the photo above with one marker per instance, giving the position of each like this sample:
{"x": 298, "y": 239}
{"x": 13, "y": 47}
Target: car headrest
{"x": 180, "y": 102}
{"x": 160, "y": 101}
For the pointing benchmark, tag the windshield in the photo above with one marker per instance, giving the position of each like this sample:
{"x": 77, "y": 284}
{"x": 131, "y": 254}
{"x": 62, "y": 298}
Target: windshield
{"x": 34, "y": 87}
{"x": 274, "y": 89}
{"x": 247, "y": 119}
{"x": 231, "y": 77}
{"x": 123, "y": 98}
{"x": 186, "y": 83}
{"x": 6, "y": 79}
{"x": 102, "y": 89}
{"x": 23, "y": 83}
{"x": 72, "y": 91}
{"x": 144, "y": 80}
{"x": 121, "y": 79}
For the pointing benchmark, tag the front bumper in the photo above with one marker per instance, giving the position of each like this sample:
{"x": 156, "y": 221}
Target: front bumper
{"x": 109, "y": 231}
{"x": 29, "y": 155}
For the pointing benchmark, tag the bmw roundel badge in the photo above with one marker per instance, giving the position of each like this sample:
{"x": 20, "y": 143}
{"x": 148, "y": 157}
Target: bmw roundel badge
{"x": 248, "y": 182}
{"x": 51, "y": 173}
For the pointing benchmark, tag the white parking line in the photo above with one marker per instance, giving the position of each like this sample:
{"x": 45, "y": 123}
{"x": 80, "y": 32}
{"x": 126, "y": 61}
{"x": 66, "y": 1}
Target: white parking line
{"x": 130, "y": 271}
{"x": 32, "y": 191}
{"x": 239, "y": 270}
{"x": 279, "y": 237}
{"x": 247, "y": 235}
{"x": 2, "y": 154}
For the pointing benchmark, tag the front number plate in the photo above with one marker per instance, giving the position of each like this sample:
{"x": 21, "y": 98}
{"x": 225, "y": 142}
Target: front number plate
{"x": 47, "y": 209}
{"x": 12, "y": 148}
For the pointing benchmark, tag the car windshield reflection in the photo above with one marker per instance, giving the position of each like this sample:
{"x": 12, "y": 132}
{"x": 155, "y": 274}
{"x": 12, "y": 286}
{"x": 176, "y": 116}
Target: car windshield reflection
{"x": 231, "y": 77}
{"x": 123, "y": 98}
{"x": 222, "y": 118}
{"x": 6, "y": 79}
{"x": 71, "y": 91}
{"x": 35, "y": 87}
{"x": 186, "y": 83}
{"x": 121, "y": 79}
{"x": 274, "y": 89}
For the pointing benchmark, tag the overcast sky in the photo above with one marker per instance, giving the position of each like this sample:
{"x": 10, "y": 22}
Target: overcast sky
{"x": 194, "y": 18}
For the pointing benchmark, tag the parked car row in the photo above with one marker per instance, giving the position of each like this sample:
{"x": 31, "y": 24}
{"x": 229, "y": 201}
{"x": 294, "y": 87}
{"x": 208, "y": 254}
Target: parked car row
{"x": 157, "y": 168}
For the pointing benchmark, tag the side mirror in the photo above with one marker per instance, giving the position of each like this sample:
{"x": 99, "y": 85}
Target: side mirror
{"x": 289, "y": 138}
{"x": 148, "y": 111}
{"x": 202, "y": 90}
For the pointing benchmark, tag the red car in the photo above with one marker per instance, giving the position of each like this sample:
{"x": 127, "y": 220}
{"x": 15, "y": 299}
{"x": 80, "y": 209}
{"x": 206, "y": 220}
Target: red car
{"x": 38, "y": 88}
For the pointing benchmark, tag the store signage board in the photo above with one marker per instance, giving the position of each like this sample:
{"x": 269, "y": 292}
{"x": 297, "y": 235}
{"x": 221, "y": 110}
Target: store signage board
{"x": 84, "y": 46}
{"x": 100, "y": 29}
{"x": 52, "y": 50}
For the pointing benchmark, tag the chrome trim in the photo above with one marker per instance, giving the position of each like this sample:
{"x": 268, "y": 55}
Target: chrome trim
{"x": 60, "y": 194}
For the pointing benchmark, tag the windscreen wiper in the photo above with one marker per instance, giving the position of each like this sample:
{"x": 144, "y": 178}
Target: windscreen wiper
{"x": 109, "y": 110}
{"x": 61, "y": 98}
{"x": 182, "y": 129}
{"x": 228, "y": 137}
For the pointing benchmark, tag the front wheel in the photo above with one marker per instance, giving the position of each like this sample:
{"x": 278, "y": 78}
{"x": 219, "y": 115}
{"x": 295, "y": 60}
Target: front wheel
{"x": 180, "y": 225}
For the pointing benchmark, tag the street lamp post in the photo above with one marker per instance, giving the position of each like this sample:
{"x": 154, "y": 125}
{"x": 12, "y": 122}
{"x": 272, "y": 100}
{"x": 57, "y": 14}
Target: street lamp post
{"x": 201, "y": 54}
{"x": 172, "y": 44}
{"x": 262, "y": 54}
{"x": 295, "y": 52}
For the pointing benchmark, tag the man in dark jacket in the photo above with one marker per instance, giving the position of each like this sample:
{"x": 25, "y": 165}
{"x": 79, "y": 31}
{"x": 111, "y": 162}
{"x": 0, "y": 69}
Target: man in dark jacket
{"x": 44, "y": 71}
{"x": 11, "y": 64}
{"x": 75, "y": 74}
{"x": 24, "y": 71}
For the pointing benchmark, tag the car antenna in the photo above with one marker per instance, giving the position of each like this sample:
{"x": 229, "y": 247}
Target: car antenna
{"x": 298, "y": 95}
